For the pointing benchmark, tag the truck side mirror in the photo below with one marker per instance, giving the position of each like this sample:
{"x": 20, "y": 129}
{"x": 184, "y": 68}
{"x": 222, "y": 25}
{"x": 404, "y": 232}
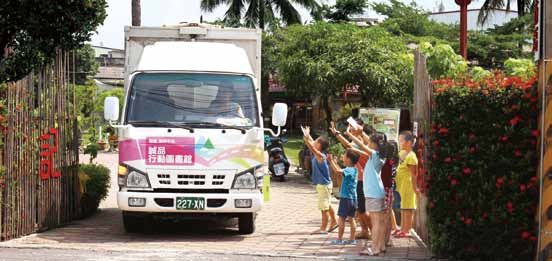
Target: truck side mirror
{"x": 279, "y": 114}
{"x": 111, "y": 108}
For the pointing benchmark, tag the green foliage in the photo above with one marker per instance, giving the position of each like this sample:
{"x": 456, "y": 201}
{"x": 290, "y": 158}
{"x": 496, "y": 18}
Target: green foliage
{"x": 443, "y": 62}
{"x": 97, "y": 186}
{"x": 341, "y": 11}
{"x": 318, "y": 60}
{"x": 491, "y": 51}
{"x": 85, "y": 103}
{"x": 34, "y": 29}
{"x": 482, "y": 184}
{"x": 92, "y": 149}
{"x": 85, "y": 64}
{"x": 260, "y": 12}
{"x": 479, "y": 74}
{"x": 412, "y": 21}
{"x": 523, "y": 68}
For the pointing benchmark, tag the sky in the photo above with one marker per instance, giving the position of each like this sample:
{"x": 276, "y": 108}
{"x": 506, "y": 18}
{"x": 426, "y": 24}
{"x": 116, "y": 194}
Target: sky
{"x": 166, "y": 12}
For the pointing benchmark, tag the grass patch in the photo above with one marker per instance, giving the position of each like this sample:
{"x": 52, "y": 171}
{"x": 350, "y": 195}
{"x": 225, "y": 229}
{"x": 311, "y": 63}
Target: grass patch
{"x": 292, "y": 148}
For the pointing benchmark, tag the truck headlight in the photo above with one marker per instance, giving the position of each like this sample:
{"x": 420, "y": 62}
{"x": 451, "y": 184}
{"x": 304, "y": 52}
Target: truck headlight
{"x": 137, "y": 180}
{"x": 245, "y": 181}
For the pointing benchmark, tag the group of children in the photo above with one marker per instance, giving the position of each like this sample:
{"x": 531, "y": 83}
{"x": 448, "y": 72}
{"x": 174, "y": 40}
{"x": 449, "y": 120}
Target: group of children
{"x": 372, "y": 166}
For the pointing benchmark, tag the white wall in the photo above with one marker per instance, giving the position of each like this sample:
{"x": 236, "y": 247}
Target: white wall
{"x": 498, "y": 17}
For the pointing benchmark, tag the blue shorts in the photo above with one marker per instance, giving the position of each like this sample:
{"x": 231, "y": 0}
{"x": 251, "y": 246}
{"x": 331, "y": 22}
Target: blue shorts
{"x": 347, "y": 207}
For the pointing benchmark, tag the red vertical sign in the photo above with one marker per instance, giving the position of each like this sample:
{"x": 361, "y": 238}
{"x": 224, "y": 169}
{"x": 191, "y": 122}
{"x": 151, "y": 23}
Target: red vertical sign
{"x": 47, "y": 152}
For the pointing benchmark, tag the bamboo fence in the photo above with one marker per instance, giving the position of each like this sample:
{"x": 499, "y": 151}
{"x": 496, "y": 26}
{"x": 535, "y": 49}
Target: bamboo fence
{"x": 37, "y": 105}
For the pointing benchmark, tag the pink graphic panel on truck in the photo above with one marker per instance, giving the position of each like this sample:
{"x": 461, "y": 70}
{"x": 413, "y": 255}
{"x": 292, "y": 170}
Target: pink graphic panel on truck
{"x": 170, "y": 151}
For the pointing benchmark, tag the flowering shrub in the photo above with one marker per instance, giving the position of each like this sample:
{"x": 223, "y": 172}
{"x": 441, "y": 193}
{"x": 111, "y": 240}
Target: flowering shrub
{"x": 482, "y": 188}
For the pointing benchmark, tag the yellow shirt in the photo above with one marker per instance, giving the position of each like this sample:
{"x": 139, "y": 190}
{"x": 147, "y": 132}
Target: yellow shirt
{"x": 404, "y": 179}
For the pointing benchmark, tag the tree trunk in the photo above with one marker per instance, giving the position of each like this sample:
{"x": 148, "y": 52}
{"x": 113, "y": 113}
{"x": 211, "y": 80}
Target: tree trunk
{"x": 262, "y": 6}
{"x": 327, "y": 110}
{"x": 136, "y": 13}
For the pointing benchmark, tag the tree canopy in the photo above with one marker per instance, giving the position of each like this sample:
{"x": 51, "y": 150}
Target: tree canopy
{"x": 32, "y": 30}
{"x": 319, "y": 60}
{"x": 260, "y": 12}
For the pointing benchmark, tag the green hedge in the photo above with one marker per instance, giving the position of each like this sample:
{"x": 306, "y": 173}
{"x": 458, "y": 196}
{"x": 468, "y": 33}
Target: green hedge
{"x": 96, "y": 188}
{"x": 482, "y": 188}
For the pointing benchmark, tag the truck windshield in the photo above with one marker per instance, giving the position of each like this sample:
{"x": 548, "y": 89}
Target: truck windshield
{"x": 208, "y": 100}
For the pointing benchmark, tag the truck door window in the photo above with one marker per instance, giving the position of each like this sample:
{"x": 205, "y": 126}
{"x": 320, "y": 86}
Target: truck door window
{"x": 193, "y": 99}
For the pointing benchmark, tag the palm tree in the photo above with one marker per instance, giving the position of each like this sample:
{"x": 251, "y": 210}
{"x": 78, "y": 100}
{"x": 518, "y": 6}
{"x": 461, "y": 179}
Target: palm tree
{"x": 524, "y": 6}
{"x": 136, "y": 13}
{"x": 258, "y": 12}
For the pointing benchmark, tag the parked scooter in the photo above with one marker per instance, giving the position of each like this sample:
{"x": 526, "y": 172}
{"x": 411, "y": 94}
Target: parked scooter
{"x": 278, "y": 163}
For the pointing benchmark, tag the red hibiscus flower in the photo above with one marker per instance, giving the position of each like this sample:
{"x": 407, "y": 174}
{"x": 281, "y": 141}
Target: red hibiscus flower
{"x": 448, "y": 160}
{"x": 515, "y": 120}
{"x": 525, "y": 235}
{"x": 510, "y": 206}
{"x": 468, "y": 221}
{"x": 522, "y": 188}
{"x": 472, "y": 149}
{"x": 535, "y": 133}
{"x": 467, "y": 171}
{"x": 443, "y": 131}
{"x": 453, "y": 182}
{"x": 533, "y": 238}
{"x": 518, "y": 153}
{"x": 504, "y": 138}
{"x": 436, "y": 143}
{"x": 435, "y": 156}
{"x": 440, "y": 90}
{"x": 514, "y": 107}
{"x": 2, "y": 118}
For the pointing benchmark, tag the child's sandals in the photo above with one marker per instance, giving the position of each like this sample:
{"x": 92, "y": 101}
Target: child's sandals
{"x": 369, "y": 252}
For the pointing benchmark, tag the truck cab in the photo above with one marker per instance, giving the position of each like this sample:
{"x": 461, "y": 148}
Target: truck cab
{"x": 191, "y": 134}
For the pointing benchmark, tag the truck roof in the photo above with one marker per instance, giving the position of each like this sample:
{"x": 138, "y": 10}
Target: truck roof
{"x": 194, "y": 56}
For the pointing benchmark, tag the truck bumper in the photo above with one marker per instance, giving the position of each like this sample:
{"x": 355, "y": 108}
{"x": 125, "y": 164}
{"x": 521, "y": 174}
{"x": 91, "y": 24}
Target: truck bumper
{"x": 214, "y": 203}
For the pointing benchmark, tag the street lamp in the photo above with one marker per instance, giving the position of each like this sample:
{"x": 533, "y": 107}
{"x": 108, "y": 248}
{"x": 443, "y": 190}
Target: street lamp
{"x": 463, "y": 26}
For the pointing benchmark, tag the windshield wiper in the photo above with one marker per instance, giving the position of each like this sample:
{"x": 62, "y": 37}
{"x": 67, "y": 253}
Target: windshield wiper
{"x": 219, "y": 125}
{"x": 162, "y": 124}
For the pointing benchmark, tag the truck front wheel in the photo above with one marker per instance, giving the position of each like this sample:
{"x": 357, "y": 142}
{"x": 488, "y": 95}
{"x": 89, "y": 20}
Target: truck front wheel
{"x": 246, "y": 223}
{"x": 135, "y": 223}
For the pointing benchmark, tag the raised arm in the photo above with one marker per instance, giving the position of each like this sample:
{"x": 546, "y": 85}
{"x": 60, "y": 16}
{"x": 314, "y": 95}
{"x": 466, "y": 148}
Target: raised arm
{"x": 310, "y": 144}
{"x": 360, "y": 144}
{"x": 344, "y": 142}
{"x": 334, "y": 166}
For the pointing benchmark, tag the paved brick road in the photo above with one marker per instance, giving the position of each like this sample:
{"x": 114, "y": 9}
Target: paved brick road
{"x": 283, "y": 229}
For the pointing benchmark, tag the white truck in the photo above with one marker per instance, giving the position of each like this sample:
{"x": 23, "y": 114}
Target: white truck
{"x": 191, "y": 131}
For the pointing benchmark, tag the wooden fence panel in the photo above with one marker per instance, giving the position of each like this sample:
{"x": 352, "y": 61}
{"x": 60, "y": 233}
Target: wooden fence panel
{"x": 422, "y": 117}
{"x": 38, "y": 106}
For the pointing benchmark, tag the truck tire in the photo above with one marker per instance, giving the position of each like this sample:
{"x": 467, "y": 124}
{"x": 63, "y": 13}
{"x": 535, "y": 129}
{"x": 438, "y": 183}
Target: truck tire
{"x": 246, "y": 223}
{"x": 134, "y": 223}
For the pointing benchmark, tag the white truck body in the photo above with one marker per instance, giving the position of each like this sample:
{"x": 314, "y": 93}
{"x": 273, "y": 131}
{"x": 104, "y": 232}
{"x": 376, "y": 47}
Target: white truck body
{"x": 191, "y": 132}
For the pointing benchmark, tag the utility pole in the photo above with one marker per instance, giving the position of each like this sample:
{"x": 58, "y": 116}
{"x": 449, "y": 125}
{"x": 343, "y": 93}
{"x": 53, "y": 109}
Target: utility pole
{"x": 544, "y": 54}
{"x": 463, "y": 26}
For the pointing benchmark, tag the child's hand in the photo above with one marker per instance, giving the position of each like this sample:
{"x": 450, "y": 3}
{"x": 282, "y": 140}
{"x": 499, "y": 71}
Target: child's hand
{"x": 306, "y": 130}
{"x": 332, "y": 128}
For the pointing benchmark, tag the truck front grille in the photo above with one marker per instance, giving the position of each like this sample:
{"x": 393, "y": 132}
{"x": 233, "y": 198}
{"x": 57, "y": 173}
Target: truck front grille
{"x": 191, "y": 179}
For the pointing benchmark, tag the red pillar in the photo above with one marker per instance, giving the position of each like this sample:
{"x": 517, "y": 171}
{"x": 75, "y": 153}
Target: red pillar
{"x": 463, "y": 26}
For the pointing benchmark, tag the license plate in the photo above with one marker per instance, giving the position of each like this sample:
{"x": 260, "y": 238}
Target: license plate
{"x": 183, "y": 203}
{"x": 279, "y": 169}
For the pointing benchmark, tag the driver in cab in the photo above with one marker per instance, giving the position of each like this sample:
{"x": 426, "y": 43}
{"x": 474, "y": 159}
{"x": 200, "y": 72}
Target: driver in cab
{"x": 223, "y": 105}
